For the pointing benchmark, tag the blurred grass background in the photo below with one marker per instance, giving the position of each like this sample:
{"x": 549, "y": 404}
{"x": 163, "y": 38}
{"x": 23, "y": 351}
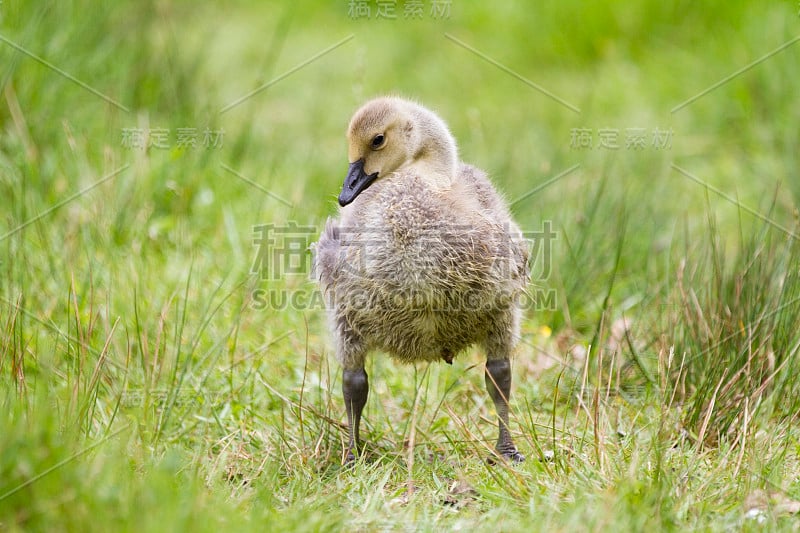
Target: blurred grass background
{"x": 146, "y": 389}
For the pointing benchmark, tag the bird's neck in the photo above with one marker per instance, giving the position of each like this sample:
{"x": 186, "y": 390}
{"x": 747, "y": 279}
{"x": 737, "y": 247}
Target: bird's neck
{"x": 439, "y": 175}
{"x": 436, "y": 155}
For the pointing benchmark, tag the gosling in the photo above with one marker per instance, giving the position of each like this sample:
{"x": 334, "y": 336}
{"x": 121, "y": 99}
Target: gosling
{"x": 424, "y": 260}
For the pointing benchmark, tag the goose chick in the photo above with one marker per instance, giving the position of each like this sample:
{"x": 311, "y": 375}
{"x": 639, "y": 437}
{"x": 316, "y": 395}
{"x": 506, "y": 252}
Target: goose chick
{"x": 424, "y": 260}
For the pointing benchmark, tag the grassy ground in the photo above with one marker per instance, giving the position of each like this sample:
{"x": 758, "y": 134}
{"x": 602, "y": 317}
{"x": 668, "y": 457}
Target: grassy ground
{"x": 162, "y": 368}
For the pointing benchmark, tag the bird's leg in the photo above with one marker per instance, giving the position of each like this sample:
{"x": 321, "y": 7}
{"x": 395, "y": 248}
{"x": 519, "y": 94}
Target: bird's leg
{"x": 355, "y": 388}
{"x": 498, "y": 383}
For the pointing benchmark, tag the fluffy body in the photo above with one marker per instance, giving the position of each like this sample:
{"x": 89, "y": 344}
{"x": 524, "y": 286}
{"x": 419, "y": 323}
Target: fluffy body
{"x": 422, "y": 273}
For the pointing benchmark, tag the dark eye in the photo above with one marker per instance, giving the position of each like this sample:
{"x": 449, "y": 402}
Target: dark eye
{"x": 377, "y": 141}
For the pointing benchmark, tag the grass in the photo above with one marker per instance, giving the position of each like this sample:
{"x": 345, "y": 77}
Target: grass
{"x": 148, "y": 382}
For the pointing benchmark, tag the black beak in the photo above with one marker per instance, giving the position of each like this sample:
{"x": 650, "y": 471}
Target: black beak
{"x": 355, "y": 182}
